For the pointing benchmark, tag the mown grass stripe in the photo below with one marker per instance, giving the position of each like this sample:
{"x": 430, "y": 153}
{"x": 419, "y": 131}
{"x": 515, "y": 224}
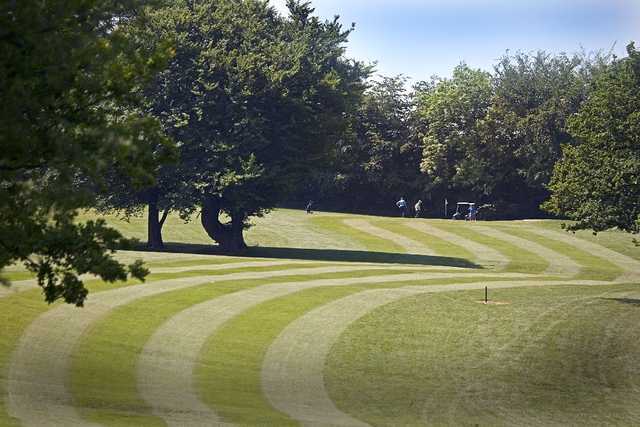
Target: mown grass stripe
{"x": 229, "y": 366}
{"x": 365, "y": 241}
{"x": 169, "y": 357}
{"x": 228, "y": 266}
{"x": 557, "y": 263}
{"x": 408, "y": 244}
{"x": 293, "y": 368}
{"x": 438, "y": 245}
{"x": 591, "y": 267}
{"x": 154, "y": 277}
{"x": 30, "y": 369}
{"x": 520, "y": 259}
{"x": 228, "y": 372}
{"x": 629, "y": 265}
{"x": 213, "y": 260}
{"x": 17, "y": 312}
{"x": 104, "y": 364}
{"x": 485, "y": 255}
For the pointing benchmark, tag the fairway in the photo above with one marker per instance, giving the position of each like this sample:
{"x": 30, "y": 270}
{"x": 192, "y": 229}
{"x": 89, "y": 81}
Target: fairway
{"x": 337, "y": 320}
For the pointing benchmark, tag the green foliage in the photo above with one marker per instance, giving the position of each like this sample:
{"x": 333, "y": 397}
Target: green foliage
{"x": 378, "y": 159}
{"x": 535, "y": 94}
{"x": 452, "y": 110}
{"x": 70, "y": 108}
{"x": 597, "y": 183}
{"x": 252, "y": 98}
{"x": 496, "y": 137}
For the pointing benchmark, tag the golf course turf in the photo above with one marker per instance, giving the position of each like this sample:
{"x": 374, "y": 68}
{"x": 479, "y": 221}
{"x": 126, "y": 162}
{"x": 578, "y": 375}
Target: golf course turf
{"x": 337, "y": 319}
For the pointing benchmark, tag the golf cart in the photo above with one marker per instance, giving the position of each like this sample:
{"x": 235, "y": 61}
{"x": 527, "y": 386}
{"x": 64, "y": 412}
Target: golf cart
{"x": 463, "y": 211}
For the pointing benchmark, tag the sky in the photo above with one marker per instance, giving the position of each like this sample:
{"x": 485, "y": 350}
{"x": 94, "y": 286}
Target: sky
{"x": 422, "y": 38}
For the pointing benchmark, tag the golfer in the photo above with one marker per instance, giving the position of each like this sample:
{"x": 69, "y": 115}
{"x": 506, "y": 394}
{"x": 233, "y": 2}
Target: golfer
{"x": 418, "y": 209}
{"x": 402, "y": 205}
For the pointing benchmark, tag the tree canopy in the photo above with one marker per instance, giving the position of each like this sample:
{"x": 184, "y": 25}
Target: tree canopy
{"x": 69, "y": 84}
{"x": 597, "y": 181}
{"x": 228, "y": 108}
{"x": 253, "y": 99}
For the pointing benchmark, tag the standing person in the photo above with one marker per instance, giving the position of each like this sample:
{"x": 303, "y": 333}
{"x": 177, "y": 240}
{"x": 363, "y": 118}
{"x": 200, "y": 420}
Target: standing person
{"x": 418, "y": 209}
{"x": 473, "y": 212}
{"x": 402, "y": 205}
{"x": 309, "y": 206}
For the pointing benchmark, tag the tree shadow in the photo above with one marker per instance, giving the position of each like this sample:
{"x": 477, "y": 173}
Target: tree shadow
{"x": 336, "y": 255}
{"x": 630, "y": 301}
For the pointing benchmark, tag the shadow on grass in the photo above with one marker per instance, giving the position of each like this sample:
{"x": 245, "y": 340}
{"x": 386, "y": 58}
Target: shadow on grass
{"x": 339, "y": 255}
{"x": 630, "y": 301}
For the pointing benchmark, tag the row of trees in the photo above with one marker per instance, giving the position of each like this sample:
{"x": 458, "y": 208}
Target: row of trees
{"x": 488, "y": 137}
{"x": 226, "y": 108}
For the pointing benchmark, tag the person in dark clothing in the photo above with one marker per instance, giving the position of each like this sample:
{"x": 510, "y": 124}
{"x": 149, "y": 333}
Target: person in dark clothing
{"x": 309, "y": 206}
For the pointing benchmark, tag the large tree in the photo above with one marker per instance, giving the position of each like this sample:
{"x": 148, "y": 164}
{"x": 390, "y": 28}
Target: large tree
{"x": 68, "y": 84}
{"x": 597, "y": 181}
{"x": 453, "y": 158}
{"x": 253, "y": 99}
{"x": 525, "y": 126}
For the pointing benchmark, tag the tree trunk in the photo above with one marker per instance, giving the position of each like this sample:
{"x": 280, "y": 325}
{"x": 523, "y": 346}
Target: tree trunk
{"x": 228, "y": 236}
{"x": 154, "y": 223}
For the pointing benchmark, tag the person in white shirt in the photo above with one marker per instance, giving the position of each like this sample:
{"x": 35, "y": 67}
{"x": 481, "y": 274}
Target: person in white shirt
{"x": 418, "y": 209}
{"x": 402, "y": 205}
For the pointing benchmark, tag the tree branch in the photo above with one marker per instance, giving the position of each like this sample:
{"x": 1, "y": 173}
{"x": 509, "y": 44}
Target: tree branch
{"x": 165, "y": 214}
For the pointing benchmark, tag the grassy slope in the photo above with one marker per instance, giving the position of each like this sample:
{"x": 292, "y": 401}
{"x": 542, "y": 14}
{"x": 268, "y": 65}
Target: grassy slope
{"x": 552, "y": 356}
{"x": 520, "y": 260}
{"x": 16, "y": 313}
{"x": 104, "y": 384}
{"x": 104, "y": 364}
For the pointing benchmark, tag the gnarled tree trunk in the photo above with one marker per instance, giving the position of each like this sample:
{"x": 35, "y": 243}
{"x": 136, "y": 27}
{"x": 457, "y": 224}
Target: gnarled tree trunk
{"x": 229, "y": 236}
{"x": 155, "y": 223}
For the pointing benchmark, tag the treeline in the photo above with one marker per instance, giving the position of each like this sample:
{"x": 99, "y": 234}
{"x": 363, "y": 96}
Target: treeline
{"x": 219, "y": 110}
{"x": 486, "y": 137}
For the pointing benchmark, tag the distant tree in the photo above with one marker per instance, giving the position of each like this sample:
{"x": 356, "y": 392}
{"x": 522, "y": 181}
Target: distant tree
{"x": 68, "y": 85}
{"x": 526, "y": 123}
{"x": 378, "y": 160}
{"x": 496, "y": 137}
{"x": 452, "y": 145}
{"x": 253, "y": 100}
{"x": 597, "y": 181}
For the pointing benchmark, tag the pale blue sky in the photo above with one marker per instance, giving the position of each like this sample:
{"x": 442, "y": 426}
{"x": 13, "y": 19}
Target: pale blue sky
{"x": 420, "y": 38}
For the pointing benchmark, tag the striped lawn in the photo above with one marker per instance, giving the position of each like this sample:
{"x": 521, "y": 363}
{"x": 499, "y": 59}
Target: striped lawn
{"x": 553, "y": 356}
{"x": 592, "y": 267}
{"x": 520, "y": 260}
{"x": 104, "y": 364}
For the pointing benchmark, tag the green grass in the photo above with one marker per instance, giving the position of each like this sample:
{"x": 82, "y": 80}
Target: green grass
{"x": 562, "y": 356}
{"x": 592, "y": 267}
{"x": 520, "y": 260}
{"x": 16, "y": 275}
{"x": 103, "y": 381}
{"x": 229, "y": 368}
{"x": 228, "y": 373}
{"x": 211, "y": 260}
{"x": 17, "y": 311}
{"x": 616, "y": 240}
{"x": 365, "y": 241}
{"x": 557, "y": 355}
{"x": 198, "y": 273}
{"x": 438, "y": 245}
